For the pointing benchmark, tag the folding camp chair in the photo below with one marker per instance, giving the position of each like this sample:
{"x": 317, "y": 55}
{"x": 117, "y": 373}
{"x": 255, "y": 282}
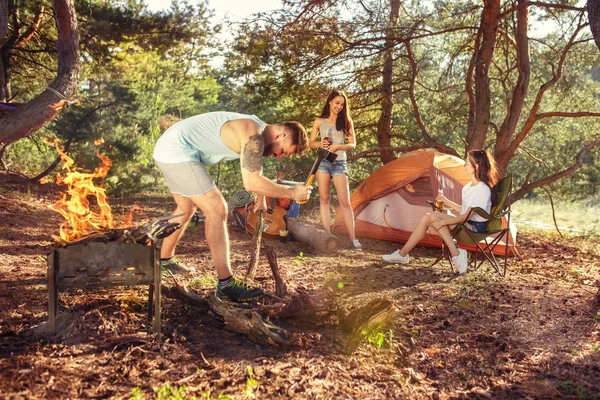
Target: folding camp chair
{"x": 485, "y": 242}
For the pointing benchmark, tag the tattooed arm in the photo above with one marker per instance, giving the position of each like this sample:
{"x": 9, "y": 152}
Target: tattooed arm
{"x": 251, "y": 161}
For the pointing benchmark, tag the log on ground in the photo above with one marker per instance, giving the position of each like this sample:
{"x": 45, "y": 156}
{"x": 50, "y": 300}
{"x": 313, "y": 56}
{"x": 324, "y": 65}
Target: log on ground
{"x": 305, "y": 232}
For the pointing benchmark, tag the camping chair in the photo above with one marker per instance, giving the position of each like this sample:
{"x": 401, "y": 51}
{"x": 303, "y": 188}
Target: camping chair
{"x": 485, "y": 242}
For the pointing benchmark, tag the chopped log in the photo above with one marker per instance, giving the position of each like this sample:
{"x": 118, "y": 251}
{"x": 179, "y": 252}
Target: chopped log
{"x": 310, "y": 234}
{"x": 375, "y": 315}
{"x": 258, "y": 230}
{"x": 281, "y": 289}
{"x": 251, "y": 323}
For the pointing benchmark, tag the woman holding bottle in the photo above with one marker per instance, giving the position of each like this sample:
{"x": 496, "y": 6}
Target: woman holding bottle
{"x": 335, "y": 131}
{"x": 481, "y": 167}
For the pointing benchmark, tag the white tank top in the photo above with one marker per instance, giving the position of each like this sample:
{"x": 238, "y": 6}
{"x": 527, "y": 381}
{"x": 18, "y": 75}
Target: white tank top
{"x": 198, "y": 138}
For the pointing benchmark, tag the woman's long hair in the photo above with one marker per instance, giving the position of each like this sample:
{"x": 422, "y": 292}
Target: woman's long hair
{"x": 485, "y": 169}
{"x": 342, "y": 122}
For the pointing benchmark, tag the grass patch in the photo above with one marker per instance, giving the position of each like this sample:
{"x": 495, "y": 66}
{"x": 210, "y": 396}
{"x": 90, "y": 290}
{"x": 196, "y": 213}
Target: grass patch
{"x": 574, "y": 218}
{"x": 203, "y": 282}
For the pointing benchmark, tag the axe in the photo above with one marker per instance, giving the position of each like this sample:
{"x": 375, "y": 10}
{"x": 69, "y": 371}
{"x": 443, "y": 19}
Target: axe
{"x": 322, "y": 153}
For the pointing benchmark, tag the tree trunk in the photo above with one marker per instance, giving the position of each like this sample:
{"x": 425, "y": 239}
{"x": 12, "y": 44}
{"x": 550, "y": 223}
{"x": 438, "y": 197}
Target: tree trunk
{"x": 485, "y": 52}
{"x": 593, "y": 7}
{"x": 384, "y": 125}
{"x": 41, "y": 110}
{"x": 3, "y": 40}
{"x": 507, "y": 130}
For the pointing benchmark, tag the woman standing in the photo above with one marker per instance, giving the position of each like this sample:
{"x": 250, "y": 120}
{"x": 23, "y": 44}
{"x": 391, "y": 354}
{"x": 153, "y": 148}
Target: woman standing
{"x": 333, "y": 127}
{"x": 480, "y": 166}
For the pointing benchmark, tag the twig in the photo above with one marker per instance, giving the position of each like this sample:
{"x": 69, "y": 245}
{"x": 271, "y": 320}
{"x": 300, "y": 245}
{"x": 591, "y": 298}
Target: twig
{"x": 258, "y": 230}
{"x": 280, "y": 286}
{"x": 553, "y": 212}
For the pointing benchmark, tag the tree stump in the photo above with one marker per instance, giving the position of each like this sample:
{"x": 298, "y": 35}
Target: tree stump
{"x": 375, "y": 315}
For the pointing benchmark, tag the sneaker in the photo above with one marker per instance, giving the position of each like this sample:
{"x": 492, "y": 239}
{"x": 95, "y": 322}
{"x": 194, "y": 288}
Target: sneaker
{"x": 396, "y": 258}
{"x": 238, "y": 290}
{"x": 176, "y": 266}
{"x": 355, "y": 245}
{"x": 461, "y": 261}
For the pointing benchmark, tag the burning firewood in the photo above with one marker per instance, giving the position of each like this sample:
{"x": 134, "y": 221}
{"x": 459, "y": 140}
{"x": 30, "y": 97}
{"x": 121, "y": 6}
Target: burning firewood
{"x": 151, "y": 231}
{"x": 154, "y": 230}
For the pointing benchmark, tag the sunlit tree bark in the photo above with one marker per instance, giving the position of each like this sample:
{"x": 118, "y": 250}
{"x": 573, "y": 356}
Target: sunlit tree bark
{"x": 593, "y": 8}
{"x": 384, "y": 125}
{"x": 42, "y": 109}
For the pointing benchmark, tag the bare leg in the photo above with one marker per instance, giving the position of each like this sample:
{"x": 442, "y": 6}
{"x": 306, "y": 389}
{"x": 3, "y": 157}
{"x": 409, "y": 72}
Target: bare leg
{"x": 444, "y": 233}
{"x": 417, "y": 234}
{"x": 343, "y": 192}
{"x": 186, "y": 207}
{"x": 214, "y": 207}
{"x": 324, "y": 181}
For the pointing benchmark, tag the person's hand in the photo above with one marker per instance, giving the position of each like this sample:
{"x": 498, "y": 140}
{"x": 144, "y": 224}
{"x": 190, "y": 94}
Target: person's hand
{"x": 438, "y": 224}
{"x": 301, "y": 192}
{"x": 441, "y": 197}
{"x": 326, "y": 143}
{"x": 260, "y": 205}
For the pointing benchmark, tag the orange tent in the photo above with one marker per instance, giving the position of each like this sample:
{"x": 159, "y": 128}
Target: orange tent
{"x": 390, "y": 202}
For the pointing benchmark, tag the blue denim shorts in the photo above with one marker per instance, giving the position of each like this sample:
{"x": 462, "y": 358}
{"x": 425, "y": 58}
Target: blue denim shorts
{"x": 477, "y": 226}
{"x": 335, "y": 169}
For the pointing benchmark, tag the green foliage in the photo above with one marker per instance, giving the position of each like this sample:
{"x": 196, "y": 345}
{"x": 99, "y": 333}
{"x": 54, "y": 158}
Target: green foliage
{"x": 203, "y": 282}
{"x": 168, "y": 392}
{"x": 377, "y": 337}
{"x": 155, "y": 69}
{"x": 251, "y": 383}
{"x": 300, "y": 258}
{"x": 134, "y": 76}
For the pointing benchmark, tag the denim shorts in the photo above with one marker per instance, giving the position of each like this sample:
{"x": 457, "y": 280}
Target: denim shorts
{"x": 335, "y": 169}
{"x": 477, "y": 226}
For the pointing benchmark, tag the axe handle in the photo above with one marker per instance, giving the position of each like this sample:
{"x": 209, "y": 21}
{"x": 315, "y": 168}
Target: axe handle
{"x": 309, "y": 181}
{"x": 321, "y": 155}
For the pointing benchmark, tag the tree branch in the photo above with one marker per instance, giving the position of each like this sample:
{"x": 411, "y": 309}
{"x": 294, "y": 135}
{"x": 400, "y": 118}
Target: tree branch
{"x": 566, "y": 114}
{"x": 404, "y": 149}
{"x": 531, "y": 119}
{"x": 529, "y": 186}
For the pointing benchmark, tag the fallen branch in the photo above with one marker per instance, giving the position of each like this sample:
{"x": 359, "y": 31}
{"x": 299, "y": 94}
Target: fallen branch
{"x": 281, "y": 289}
{"x": 251, "y": 323}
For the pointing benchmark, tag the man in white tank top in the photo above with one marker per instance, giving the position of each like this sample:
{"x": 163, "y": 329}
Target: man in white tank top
{"x": 182, "y": 154}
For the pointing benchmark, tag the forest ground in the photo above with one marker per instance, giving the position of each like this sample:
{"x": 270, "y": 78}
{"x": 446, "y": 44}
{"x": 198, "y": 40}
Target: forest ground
{"x": 533, "y": 334}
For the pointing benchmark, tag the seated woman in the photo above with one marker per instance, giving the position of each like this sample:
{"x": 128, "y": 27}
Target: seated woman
{"x": 481, "y": 167}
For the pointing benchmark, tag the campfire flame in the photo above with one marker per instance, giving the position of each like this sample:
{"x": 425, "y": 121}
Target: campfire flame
{"x": 74, "y": 205}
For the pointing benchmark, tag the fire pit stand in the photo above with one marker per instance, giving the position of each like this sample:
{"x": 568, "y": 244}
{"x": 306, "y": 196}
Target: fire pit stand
{"x": 96, "y": 265}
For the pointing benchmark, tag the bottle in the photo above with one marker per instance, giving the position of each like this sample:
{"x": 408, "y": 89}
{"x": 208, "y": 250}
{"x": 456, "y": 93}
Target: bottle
{"x": 439, "y": 203}
{"x": 329, "y": 136}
